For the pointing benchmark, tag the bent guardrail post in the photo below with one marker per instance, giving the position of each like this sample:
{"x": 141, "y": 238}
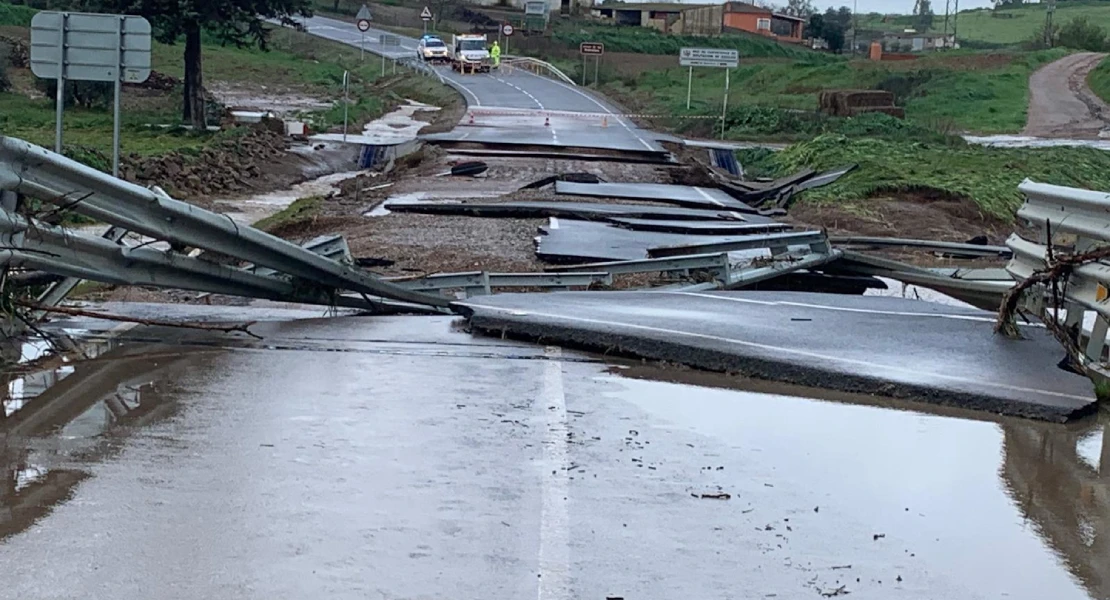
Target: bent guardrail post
{"x": 1080, "y": 273}
{"x": 50, "y": 177}
{"x": 34, "y": 245}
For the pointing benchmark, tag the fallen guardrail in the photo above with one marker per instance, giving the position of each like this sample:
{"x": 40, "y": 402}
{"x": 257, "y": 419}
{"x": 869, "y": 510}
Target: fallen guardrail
{"x": 1065, "y": 274}
{"x": 481, "y": 283}
{"x": 30, "y": 244}
{"x": 49, "y": 177}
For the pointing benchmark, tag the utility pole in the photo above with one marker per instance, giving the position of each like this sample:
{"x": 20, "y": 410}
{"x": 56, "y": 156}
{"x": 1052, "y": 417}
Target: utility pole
{"x": 947, "y": 11}
{"x": 956, "y": 23}
{"x": 855, "y": 27}
{"x": 1048, "y": 37}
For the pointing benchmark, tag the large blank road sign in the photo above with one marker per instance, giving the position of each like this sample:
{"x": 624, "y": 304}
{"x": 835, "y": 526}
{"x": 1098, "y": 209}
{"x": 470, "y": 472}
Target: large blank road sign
{"x": 709, "y": 57}
{"x": 92, "y": 47}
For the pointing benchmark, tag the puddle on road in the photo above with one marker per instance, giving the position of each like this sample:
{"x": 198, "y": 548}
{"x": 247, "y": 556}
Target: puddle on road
{"x": 1004, "y": 507}
{"x": 59, "y": 412}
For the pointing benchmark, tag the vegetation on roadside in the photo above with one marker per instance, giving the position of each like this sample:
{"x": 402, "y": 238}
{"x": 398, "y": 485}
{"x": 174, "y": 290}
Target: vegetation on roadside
{"x": 957, "y": 91}
{"x": 986, "y": 176}
{"x": 641, "y": 40}
{"x": 300, "y": 209}
{"x": 1003, "y": 26}
{"x": 296, "y": 66}
{"x": 1100, "y": 80}
{"x": 16, "y": 15}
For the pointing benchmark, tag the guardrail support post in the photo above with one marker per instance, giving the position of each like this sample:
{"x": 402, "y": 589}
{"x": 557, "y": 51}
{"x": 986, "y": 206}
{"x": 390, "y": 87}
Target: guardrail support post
{"x": 1097, "y": 343}
{"x": 480, "y": 287}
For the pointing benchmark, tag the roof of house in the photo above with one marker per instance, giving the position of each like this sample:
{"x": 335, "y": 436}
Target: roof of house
{"x": 743, "y": 7}
{"x": 655, "y": 6}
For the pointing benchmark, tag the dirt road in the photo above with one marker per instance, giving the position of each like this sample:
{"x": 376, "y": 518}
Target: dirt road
{"x": 1061, "y": 105}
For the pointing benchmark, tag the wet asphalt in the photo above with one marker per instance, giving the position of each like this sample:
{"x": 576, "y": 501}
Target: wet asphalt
{"x": 400, "y": 457}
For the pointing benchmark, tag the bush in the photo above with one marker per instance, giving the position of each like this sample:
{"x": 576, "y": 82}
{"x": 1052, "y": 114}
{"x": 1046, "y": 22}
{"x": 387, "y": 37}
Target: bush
{"x": 1081, "y": 34}
{"x": 87, "y": 94}
{"x": 5, "y": 83}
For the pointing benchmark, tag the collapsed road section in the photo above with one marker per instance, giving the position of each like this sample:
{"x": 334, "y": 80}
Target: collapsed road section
{"x": 871, "y": 345}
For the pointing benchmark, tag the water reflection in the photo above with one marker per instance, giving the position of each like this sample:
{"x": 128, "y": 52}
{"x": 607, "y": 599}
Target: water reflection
{"x": 1055, "y": 479}
{"x": 1064, "y": 495}
{"x": 62, "y": 409}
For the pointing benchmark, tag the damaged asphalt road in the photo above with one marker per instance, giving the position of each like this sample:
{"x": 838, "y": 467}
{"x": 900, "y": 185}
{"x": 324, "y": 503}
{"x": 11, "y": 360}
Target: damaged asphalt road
{"x": 209, "y": 468}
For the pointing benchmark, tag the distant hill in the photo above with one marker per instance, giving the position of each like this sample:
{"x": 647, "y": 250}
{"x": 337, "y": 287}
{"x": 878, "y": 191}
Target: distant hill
{"x": 1004, "y": 26}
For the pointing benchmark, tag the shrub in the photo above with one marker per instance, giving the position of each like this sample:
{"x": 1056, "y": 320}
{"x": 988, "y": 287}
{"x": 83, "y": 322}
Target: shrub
{"x": 87, "y": 94}
{"x": 1081, "y": 34}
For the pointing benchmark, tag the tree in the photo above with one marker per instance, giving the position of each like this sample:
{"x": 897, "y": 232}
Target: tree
{"x": 1081, "y": 34}
{"x": 923, "y": 10}
{"x": 830, "y": 27}
{"x": 799, "y": 8}
{"x": 238, "y": 22}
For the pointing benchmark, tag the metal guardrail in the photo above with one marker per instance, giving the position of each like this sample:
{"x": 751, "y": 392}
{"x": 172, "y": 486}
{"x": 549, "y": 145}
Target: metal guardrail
{"x": 34, "y": 245}
{"x": 537, "y": 66}
{"x": 482, "y": 283}
{"x": 50, "y": 177}
{"x": 715, "y": 264}
{"x": 1060, "y": 212}
{"x": 777, "y": 243}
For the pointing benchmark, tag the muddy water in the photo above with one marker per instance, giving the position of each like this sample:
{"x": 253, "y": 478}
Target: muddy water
{"x": 1020, "y": 141}
{"x": 397, "y": 457}
{"x": 251, "y": 209}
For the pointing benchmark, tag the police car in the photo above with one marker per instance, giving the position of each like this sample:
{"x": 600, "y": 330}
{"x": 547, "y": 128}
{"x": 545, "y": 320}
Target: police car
{"x": 432, "y": 49}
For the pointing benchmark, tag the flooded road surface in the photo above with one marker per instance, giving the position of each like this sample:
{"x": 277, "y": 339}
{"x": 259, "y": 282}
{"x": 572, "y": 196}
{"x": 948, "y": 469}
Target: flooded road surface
{"x": 401, "y": 458}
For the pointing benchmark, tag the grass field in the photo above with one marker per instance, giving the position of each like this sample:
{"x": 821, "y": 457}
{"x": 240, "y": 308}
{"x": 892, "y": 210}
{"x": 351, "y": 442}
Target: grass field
{"x": 1006, "y": 26}
{"x": 987, "y": 176}
{"x": 648, "y": 41}
{"x": 1100, "y": 80}
{"x": 963, "y": 91}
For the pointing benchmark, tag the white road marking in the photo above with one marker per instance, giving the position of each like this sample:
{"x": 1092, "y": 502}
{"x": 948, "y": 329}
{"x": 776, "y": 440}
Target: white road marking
{"x": 870, "y": 311}
{"x": 460, "y": 86}
{"x": 733, "y": 214}
{"x": 554, "y": 556}
{"x": 600, "y": 105}
{"x": 914, "y": 373}
{"x": 554, "y": 224}
{"x": 554, "y": 133}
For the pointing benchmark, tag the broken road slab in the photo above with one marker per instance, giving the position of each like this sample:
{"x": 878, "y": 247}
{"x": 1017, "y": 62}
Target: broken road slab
{"x": 568, "y": 242}
{"x": 873, "y": 345}
{"x": 701, "y": 227}
{"x": 681, "y": 195}
{"x": 569, "y": 210}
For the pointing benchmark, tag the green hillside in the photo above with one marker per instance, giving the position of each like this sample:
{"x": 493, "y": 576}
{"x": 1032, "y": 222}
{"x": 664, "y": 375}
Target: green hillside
{"x": 1004, "y": 26}
{"x": 1100, "y": 80}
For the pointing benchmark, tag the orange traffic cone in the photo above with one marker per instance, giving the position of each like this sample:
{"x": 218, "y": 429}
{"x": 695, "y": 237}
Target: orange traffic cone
{"x": 604, "y": 121}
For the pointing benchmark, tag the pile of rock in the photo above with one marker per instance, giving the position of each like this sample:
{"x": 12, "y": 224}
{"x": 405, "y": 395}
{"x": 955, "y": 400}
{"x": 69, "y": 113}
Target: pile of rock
{"x": 17, "y": 51}
{"x": 224, "y": 168}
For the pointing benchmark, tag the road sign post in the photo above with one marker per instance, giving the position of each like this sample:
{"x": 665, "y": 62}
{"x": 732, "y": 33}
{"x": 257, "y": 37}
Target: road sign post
{"x": 595, "y": 49}
{"x": 346, "y": 100}
{"x": 507, "y": 30}
{"x": 90, "y": 47}
{"x": 709, "y": 57}
{"x": 362, "y": 21}
{"x": 425, "y": 16}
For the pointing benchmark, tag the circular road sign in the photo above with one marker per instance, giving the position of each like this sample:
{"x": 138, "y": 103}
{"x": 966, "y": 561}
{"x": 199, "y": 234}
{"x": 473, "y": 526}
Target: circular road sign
{"x": 507, "y": 29}
{"x": 363, "y": 25}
